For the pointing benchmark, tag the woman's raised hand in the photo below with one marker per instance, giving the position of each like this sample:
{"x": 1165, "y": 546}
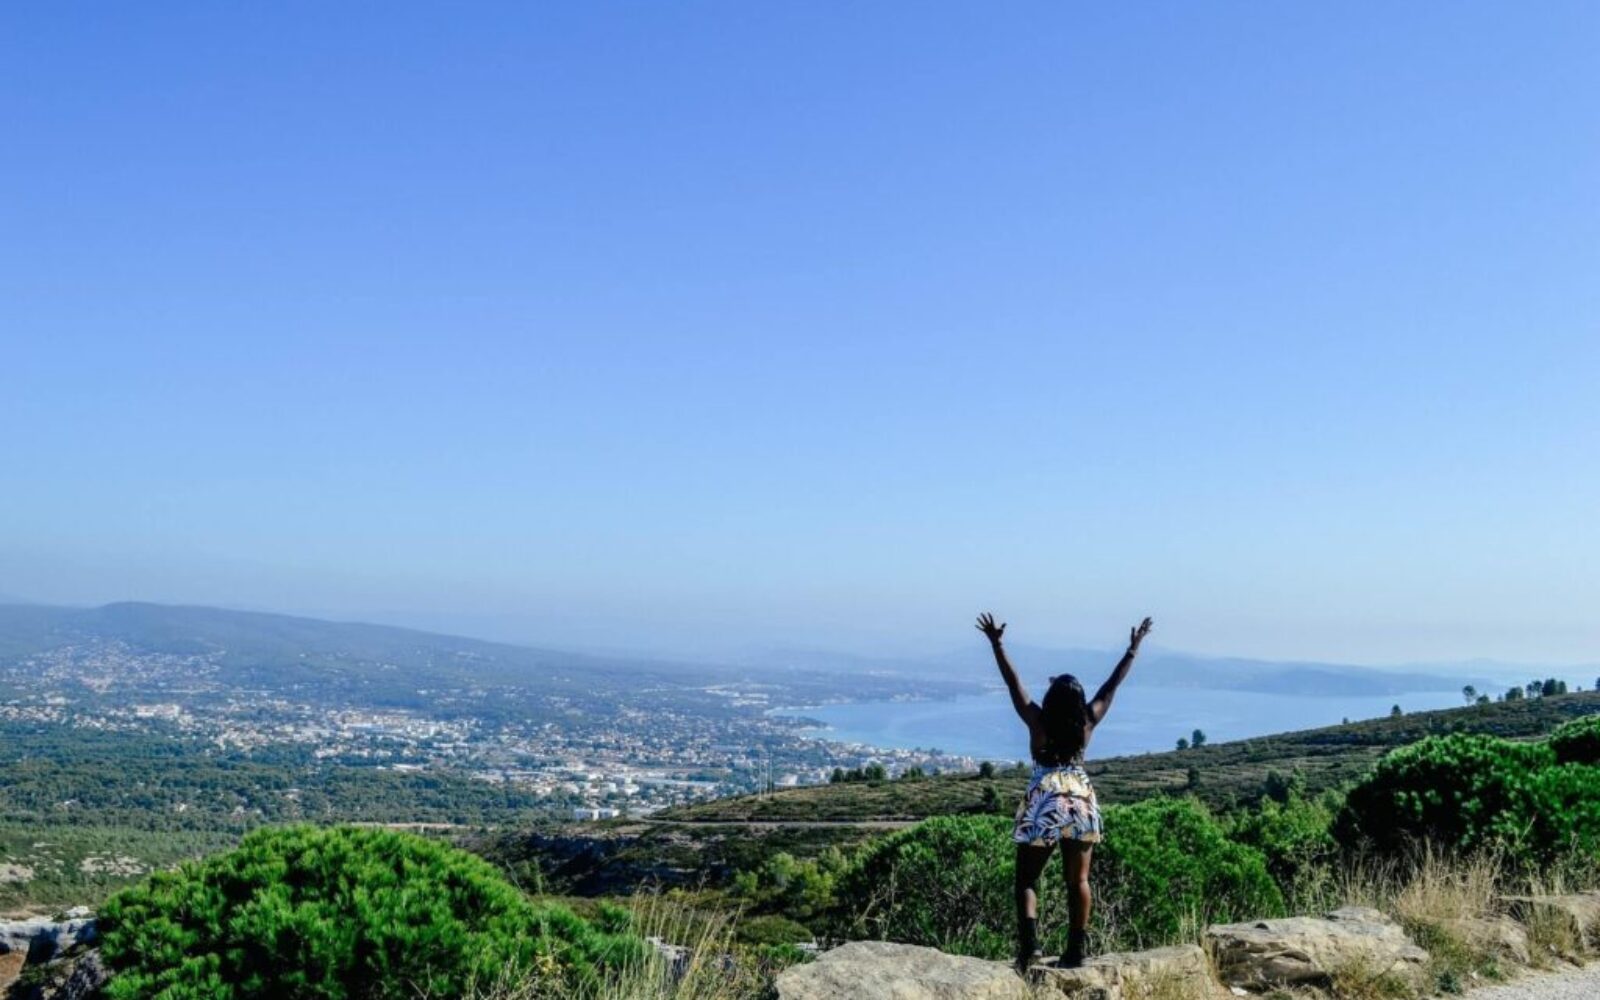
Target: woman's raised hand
{"x": 987, "y": 626}
{"x": 1136, "y": 634}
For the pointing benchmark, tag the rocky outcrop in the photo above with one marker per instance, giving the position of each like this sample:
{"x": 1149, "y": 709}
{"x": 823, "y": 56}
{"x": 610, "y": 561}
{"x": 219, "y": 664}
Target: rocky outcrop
{"x": 41, "y": 938}
{"x": 881, "y": 970}
{"x": 1315, "y": 951}
{"x": 1181, "y": 971}
{"x": 1579, "y": 911}
{"x": 38, "y": 940}
{"x": 77, "y": 978}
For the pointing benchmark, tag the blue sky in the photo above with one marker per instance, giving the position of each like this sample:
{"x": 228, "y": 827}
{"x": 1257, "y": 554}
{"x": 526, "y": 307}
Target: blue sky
{"x": 692, "y": 326}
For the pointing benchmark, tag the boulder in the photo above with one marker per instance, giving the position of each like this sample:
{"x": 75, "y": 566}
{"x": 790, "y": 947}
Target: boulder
{"x": 1579, "y": 910}
{"x": 675, "y": 957}
{"x": 881, "y": 970}
{"x": 38, "y": 940}
{"x": 41, "y": 938}
{"x": 1293, "y": 951}
{"x": 88, "y": 975}
{"x": 1501, "y": 937}
{"x": 1181, "y": 971}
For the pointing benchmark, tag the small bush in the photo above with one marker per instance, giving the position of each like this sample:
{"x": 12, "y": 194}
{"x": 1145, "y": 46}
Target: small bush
{"x": 1461, "y": 791}
{"x": 337, "y": 914}
{"x": 1578, "y": 741}
{"x": 946, "y": 883}
{"x": 773, "y": 930}
{"x": 801, "y": 889}
{"x": 1476, "y": 792}
{"x": 1567, "y": 817}
{"x": 1297, "y": 840}
{"x": 1165, "y": 868}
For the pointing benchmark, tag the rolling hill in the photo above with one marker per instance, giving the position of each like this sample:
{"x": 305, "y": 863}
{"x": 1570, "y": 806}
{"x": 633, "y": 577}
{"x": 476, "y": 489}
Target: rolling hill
{"x": 1224, "y": 774}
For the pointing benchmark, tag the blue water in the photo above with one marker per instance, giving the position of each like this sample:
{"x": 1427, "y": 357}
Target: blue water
{"x": 1142, "y": 719}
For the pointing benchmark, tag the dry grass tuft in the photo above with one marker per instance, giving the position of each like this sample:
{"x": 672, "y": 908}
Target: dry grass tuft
{"x": 708, "y": 966}
{"x": 1165, "y": 985}
{"x": 1553, "y": 936}
{"x": 1363, "y": 981}
{"x": 1442, "y": 889}
{"x": 1439, "y": 894}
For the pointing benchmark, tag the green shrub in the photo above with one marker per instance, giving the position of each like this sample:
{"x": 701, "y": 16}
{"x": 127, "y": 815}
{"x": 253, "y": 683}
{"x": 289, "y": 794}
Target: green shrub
{"x": 1165, "y": 866}
{"x": 800, "y": 889}
{"x": 337, "y": 914}
{"x": 1461, "y": 792}
{"x": 1578, "y": 741}
{"x": 1296, "y": 838}
{"x": 946, "y": 882}
{"x": 772, "y": 929}
{"x": 1567, "y": 818}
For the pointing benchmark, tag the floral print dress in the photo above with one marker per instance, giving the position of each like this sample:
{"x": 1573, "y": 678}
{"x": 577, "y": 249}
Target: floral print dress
{"x": 1060, "y": 805}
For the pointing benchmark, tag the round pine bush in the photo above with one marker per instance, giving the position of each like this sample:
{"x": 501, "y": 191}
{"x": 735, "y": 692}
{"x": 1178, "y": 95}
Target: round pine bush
{"x": 1577, "y": 741}
{"x": 342, "y": 913}
{"x": 1567, "y": 821}
{"x": 1462, "y": 791}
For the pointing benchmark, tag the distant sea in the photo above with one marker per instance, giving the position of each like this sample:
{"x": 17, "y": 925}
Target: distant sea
{"x": 1142, "y": 720}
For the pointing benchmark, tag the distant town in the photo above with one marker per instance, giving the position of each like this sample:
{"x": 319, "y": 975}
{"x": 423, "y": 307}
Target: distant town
{"x": 643, "y": 754}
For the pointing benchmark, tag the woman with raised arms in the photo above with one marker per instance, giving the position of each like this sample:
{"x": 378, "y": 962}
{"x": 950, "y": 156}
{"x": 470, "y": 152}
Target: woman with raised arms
{"x": 1059, "y": 807}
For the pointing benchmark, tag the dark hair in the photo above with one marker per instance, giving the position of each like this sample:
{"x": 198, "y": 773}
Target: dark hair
{"x": 1065, "y": 713}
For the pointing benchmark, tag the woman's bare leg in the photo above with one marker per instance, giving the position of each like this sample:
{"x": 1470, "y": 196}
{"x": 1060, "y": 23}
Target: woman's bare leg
{"x": 1030, "y": 865}
{"x": 1075, "y": 856}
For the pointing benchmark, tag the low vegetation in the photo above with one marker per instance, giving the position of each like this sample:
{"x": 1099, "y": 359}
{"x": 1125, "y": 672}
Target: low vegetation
{"x": 1432, "y": 833}
{"x": 1166, "y": 868}
{"x": 1472, "y": 791}
{"x": 1225, "y": 776}
{"x": 341, "y": 913}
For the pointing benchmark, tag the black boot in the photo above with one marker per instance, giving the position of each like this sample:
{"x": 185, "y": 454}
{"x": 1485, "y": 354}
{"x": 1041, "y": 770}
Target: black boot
{"x": 1077, "y": 944}
{"x": 1027, "y": 943}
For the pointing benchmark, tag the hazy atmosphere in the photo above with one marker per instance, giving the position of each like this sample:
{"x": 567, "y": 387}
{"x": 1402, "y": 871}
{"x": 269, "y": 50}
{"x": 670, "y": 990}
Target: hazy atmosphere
{"x": 709, "y": 501}
{"x": 699, "y": 332}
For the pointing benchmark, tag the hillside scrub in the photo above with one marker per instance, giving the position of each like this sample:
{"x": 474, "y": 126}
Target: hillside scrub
{"x": 1165, "y": 869}
{"x": 1472, "y": 792}
{"x": 341, "y": 913}
{"x": 1578, "y": 741}
{"x": 1232, "y": 775}
{"x": 1296, "y": 838}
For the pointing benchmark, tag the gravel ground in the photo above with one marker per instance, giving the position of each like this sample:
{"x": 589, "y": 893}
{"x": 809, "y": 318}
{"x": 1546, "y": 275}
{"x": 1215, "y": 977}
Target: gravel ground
{"x": 1579, "y": 984}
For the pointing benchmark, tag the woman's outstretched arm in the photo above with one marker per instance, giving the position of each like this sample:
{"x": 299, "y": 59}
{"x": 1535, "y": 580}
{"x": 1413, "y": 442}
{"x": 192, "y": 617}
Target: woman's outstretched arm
{"x": 1102, "y": 699}
{"x": 1019, "y": 697}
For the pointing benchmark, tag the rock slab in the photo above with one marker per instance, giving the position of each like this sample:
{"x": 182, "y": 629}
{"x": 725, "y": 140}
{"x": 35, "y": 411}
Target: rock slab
{"x": 1178, "y": 971}
{"x": 882, "y": 970}
{"x": 1295, "y": 951}
{"x": 37, "y": 940}
{"x": 41, "y": 938}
